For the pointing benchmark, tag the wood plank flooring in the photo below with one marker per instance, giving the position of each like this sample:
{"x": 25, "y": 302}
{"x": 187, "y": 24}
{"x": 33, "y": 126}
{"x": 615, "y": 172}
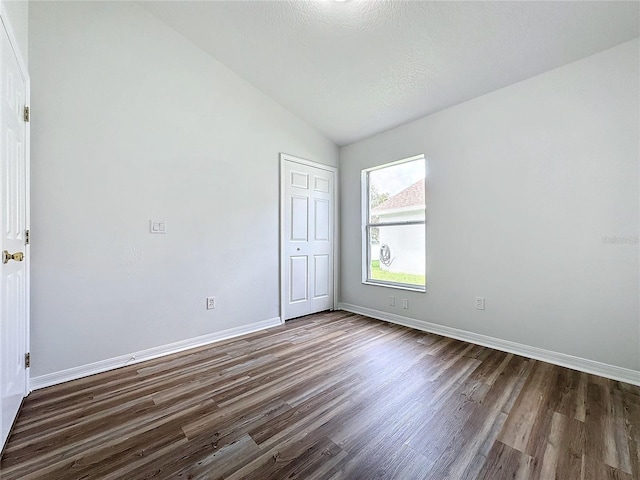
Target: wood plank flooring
{"x": 331, "y": 396}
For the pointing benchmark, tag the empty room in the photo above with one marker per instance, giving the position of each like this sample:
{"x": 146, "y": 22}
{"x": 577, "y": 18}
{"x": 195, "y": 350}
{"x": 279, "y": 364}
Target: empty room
{"x": 357, "y": 239}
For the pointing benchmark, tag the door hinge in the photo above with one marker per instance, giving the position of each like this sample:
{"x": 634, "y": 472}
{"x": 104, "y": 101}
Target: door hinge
{"x": 27, "y": 114}
{"x": 27, "y": 237}
{"x": 27, "y": 360}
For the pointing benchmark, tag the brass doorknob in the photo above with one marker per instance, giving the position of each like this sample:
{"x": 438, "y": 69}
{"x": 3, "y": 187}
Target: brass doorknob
{"x": 6, "y": 256}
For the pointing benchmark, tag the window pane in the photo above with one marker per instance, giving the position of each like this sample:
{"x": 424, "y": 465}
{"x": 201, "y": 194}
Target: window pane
{"x": 394, "y": 224}
{"x": 398, "y": 254}
{"x": 396, "y": 193}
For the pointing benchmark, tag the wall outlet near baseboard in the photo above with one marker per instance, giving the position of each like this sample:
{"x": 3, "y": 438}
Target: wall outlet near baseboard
{"x": 158, "y": 226}
{"x": 480, "y": 303}
{"x": 211, "y": 303}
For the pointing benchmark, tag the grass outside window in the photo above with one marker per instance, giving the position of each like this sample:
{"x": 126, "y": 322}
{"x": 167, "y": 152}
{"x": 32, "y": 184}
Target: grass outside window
{"x": 397, "y": 277}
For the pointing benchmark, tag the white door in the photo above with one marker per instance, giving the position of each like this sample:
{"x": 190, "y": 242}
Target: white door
{"x": 307, "y": 217}
{"x": 13, "y": 279}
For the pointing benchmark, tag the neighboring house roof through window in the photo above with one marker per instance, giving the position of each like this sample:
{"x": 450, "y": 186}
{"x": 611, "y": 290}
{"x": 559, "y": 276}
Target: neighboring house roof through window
{"x": 411, "y": 198}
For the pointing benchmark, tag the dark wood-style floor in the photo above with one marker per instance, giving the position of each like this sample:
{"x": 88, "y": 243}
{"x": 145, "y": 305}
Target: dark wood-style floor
{"x": 331, "y": 396}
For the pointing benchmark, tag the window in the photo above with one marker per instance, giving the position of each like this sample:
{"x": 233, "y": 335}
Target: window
{"x": 393, "y": 233}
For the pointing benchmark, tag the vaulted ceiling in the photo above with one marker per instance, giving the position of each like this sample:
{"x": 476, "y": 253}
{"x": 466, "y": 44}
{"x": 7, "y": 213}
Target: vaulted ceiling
{"x": 355, "y": 68}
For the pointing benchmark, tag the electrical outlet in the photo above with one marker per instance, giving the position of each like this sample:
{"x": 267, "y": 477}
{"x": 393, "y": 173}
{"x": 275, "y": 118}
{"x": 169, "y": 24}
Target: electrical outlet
{"x": 392, "y": 301}
{"x": 480, "y": 303}
{"x": 158, "y": 226}
{"x": 211, "y": 303}
{"x": 405, "y": 303}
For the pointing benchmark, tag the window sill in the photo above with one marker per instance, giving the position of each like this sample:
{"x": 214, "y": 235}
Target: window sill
{"x": 396, "y": 286}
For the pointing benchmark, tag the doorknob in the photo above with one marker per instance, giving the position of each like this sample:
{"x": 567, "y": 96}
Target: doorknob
{"x": 6, "y": 256}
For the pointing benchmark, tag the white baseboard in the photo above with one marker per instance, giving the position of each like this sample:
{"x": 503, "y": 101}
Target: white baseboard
{"x": 74, "y": 373}
{"x": 576, "y": 363}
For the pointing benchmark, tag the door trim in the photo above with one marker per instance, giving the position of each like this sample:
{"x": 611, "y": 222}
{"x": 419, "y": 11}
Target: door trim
{"x": 285, "y": 157}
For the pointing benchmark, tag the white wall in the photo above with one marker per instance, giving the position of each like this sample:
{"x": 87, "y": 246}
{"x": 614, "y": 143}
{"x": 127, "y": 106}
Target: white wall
{"x": 527, "y": 188}
{"x": 16, "y": 13}
{"x": 132, "y": 122}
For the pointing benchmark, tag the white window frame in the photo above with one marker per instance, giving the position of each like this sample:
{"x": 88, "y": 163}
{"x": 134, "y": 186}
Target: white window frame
{"x": 366, "y": 225}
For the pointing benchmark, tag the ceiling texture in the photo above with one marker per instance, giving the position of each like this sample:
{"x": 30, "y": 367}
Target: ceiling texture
{"x": 353, "y": 69}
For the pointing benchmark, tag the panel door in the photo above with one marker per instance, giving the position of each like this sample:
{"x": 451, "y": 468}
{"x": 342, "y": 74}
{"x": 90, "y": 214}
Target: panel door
{"x": 308, "y": 239}
{"x": 13, "y": 277}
